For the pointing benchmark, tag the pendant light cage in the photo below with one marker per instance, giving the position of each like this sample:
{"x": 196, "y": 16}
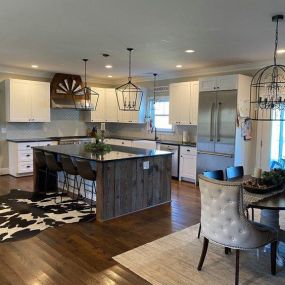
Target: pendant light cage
{"x": 267, "y": 89}
{"x": 89, "y": 97}
{"x": 129, "y": 96}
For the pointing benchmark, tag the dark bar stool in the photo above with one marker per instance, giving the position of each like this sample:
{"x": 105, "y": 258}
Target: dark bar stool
{"x": 87, "y": 173}
{"x": 70, "y": 169}
{"x": 40, "y": 161}
{"x": 53, "y": 167}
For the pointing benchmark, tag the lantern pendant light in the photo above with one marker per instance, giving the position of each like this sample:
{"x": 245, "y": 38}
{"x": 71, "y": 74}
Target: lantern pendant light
{"x": 267, "y": 89}
{"x": 129, "y": 96}
{"x": 90, "y": 97}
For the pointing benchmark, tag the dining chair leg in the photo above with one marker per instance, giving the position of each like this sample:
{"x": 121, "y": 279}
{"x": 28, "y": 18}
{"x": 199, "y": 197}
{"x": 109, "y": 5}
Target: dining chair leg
{"x": 199, "y": 231}
{"x": 203, "y": 254}
{"x": 237, "y": 267}
{"x": 273, "y": 257}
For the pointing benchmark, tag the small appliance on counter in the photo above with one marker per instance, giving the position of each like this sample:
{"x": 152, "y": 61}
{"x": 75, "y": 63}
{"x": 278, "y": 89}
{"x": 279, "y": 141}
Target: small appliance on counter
{"x": 185, "y": 137}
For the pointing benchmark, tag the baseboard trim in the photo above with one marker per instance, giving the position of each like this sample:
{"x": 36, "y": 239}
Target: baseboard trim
{"x": 4, "y": 171}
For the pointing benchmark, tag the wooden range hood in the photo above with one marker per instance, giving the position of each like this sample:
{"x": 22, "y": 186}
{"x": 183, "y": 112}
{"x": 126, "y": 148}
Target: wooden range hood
{"x": 66, "y": 93}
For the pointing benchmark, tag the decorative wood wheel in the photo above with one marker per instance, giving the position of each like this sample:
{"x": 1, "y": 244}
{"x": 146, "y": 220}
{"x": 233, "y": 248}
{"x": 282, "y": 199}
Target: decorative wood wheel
{"x": 66, "y": 84}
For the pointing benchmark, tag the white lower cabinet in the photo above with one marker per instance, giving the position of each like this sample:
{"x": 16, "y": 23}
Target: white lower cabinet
{"x": 21, "y": 157}
{"x": 145, "y": 144}
{"x": 187, "y": 163}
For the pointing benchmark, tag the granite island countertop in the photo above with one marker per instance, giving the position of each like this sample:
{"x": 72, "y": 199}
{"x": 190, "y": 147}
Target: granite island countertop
{"x": 117, "y": 152}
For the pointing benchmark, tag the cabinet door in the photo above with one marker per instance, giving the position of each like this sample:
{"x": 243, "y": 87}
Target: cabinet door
{"x": 111, "y": 105}
{"x": 194, "y": 102}
{"x": 99, "y": 114}
{"x": 207, "y": 84}
{"x": 19, "y": 101}
{"x": 40, "y": 101}
{"x": 188, "y": 166}
{"x": 179, "y": 103}
{"x": 227, "y": 82}
{"x": 125, "y": 116}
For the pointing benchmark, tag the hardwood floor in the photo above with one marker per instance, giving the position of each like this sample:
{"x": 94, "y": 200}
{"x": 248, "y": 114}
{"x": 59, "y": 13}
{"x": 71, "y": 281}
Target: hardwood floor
{"x": 82, "y": 253}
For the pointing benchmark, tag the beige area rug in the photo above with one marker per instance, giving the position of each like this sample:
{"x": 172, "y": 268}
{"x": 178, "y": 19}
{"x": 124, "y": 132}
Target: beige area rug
{"x": 173, "y": 259}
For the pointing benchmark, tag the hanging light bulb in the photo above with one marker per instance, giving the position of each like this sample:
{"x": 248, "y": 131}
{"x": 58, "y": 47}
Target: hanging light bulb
{"x": 89, "y": 98}
{"x": 129, "y": 96}
{"x": 267, "y": 89}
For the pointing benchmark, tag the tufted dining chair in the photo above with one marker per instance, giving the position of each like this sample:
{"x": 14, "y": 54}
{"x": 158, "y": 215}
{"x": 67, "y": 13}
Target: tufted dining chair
{"x": 224, "y": 223}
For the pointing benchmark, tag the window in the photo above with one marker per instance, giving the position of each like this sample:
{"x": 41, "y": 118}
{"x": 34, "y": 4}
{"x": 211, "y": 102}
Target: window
{"x": 278, "y": 140}
{"x": 160, "y": 114}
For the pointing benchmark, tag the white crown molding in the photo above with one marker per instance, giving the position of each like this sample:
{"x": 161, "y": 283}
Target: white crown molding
{"x": 209, "y": 71}
{"x": 197, "y": 72}
{"x": 18, "y": 71}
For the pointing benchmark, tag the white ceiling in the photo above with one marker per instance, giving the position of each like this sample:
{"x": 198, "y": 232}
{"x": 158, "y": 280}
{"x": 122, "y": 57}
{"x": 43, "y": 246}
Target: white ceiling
{"x": 56, "y": 34}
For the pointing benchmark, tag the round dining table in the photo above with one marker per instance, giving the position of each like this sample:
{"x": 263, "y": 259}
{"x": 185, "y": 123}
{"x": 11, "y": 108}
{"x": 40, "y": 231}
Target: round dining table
{"x": 270, "y": 208}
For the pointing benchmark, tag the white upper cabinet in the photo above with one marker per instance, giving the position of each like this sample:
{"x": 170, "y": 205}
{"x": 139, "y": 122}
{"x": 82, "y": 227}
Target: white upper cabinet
{"x": 99, "y": 114}
{"x": 108, "y": 110}
{"x": 111, "y": 105}
{"x": 194, "y": 102}
{"x": 27, "y": 101}
{"x": 40, "y": 94}
{"x": 227, "y": 82}
{"x": 183, "y": 103}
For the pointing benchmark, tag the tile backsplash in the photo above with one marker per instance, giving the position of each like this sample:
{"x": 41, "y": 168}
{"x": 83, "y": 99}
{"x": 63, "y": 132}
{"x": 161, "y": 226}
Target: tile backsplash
{"x": 63, "y": 123}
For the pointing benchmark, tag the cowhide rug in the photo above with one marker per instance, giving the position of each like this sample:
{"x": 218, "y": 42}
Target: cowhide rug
{"x": 25, "y": 214}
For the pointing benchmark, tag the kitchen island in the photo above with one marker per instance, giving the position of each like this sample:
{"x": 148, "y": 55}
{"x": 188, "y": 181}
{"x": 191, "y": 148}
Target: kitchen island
{"x": 128, "y": 179}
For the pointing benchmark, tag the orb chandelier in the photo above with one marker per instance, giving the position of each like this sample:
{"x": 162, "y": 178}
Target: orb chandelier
{"x": 267, "y": 89}
{"x": 129, "y": 96}
{"x": 88, "y": 97}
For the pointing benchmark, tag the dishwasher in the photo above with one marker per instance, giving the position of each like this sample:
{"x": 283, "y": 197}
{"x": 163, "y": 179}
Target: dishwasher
{"x": 174, "y": 149}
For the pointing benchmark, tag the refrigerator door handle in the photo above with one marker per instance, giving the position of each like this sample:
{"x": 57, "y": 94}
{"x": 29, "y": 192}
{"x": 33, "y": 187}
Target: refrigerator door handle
{"x": 218, "y": 136}
{"x": 216, "y": 153}
{"x": 212, "y": 122}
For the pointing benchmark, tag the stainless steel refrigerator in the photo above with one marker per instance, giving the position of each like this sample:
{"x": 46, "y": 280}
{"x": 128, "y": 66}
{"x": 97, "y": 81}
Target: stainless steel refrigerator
{"x": 216, "y": 130}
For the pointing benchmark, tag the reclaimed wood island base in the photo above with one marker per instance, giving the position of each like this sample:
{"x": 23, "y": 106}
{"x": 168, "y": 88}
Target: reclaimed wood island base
{"x": 128, "y": 179}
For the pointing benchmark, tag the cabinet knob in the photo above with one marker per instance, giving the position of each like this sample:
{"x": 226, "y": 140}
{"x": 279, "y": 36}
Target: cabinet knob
{"x": 27, "y": 155}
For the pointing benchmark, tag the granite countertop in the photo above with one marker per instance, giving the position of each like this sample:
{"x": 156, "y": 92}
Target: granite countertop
{"x": 117, "y": 153}
{"x": 44, "y": 139}
{"x": 172, "y": 142}
{"x": 30, "y": 140}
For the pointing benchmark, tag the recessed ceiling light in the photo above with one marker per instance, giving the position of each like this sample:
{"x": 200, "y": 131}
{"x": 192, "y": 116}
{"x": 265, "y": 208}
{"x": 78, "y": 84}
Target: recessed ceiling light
{"x": 34, "y": 66}
{"x": 281, "y": 51}
{"x": 178, "y": 66}
{"x": 108, "y": 66}
{"x": 110, "y": 76}
{"x": 189, "y": 50}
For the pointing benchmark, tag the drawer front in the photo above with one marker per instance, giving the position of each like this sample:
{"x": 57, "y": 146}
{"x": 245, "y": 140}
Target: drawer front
{"x": 47, "y": 143}
{"x": 24, "y": 167}
{"x": 25, "y": 155}
{"x": 188, "y": 150}
{"x": 27, "y": 146}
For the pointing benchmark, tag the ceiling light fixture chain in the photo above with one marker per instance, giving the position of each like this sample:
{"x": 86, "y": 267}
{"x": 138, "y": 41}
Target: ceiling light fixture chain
{"x": 267, "y": 89}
